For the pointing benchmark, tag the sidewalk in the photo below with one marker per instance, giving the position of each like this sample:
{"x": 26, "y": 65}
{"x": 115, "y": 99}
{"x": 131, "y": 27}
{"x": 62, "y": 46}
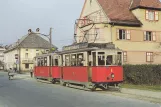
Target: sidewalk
{"x": 24, "y": 75}
{"x": 143, "y": 93}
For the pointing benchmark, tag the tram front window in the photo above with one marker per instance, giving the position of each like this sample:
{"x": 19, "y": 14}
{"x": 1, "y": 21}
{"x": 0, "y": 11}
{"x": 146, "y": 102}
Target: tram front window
{"x": 101, "y": 58}
{"x": 109, "y": 60}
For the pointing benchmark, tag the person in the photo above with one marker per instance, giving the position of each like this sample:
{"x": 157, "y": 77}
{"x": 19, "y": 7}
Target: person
{"x": 10, "y": 73}
{"x": 31, "y": 72}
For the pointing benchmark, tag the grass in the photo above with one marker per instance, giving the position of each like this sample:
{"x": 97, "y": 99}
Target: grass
{"x": 142, "y": 87}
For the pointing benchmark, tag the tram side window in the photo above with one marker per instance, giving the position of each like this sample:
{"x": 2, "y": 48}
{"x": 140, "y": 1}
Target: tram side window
{"x": 109, "y": 60}
{"x": 42, "y": 62}
{"x": 101, "y": 58}
{"x": 56, "y": 62}
{"x": 38, "y": 62}
{"x": 80, "y": 60}
{"x": 73, "y": 60}
{"x": 67, "y": 60}
{"x": 45, "y": 61}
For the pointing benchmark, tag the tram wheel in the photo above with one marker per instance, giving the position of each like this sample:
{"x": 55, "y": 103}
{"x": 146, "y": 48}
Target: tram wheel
{"x": 53, "y": 81}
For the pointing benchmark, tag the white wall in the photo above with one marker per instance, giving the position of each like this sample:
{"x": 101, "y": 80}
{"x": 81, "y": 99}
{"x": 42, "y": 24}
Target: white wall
{"x": 9, "y": 59}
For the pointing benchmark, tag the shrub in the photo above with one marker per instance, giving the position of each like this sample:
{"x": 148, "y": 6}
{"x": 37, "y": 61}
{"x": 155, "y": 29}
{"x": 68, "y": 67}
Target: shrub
{"x": 142, "y": 74}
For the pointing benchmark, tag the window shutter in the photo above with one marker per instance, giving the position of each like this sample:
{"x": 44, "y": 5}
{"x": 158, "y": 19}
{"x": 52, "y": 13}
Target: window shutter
{"x": 147, "y": 14}
{"x": 156, "y": 15}
{"x": 154, "y": 36}
{"x": 144, "y": 35}
{"x": 118, "y": 34}
{"x": 128, "y": 35}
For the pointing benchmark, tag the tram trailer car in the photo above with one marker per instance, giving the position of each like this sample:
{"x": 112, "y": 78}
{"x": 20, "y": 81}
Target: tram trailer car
{"x": 92, "y": 67}
{"x": 46, "y": 67}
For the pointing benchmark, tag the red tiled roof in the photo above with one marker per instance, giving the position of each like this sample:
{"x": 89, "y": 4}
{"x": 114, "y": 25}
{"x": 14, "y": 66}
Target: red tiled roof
{"x": 146, "y": 3}
{"x": 119, "y": 10}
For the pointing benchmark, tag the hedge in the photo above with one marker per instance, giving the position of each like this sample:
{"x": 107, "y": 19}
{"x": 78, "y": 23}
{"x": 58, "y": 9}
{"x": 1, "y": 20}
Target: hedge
{"x": 142, "y": 74}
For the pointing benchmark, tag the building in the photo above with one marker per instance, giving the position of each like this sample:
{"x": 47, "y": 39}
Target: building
{"x": 2, "y": 49}
{"x": 21, "y": 54}
{"x": 132, "y": 25}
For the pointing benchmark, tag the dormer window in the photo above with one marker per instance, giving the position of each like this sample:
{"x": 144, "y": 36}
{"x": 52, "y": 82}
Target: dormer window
{"x": 152, "y": 15}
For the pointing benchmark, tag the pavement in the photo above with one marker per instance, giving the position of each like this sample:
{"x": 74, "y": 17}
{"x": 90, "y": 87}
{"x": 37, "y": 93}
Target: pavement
{"x": 23, "y": 91}
{"x": 145, "y": 93}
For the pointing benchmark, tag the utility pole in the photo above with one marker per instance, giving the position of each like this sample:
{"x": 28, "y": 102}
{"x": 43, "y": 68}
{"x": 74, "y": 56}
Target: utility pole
{"x": 50, "y": 58}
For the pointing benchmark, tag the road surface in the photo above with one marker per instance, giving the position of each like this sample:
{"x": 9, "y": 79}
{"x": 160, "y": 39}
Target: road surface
{"x": 23, "y": 92}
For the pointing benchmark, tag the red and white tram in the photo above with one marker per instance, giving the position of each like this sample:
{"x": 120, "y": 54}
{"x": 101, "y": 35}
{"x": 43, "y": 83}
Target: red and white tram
{"x": 87, "y": 65}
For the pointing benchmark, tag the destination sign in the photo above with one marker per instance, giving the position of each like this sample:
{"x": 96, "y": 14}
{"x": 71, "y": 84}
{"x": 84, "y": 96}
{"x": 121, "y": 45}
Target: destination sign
{"x": 76, "y": 46}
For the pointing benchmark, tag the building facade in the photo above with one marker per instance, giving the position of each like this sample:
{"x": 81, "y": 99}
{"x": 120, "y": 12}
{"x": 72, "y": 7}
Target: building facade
{"x": 20, "y": 55}
{"x": 132, "y": 25}
{"x": 2, "y": 49}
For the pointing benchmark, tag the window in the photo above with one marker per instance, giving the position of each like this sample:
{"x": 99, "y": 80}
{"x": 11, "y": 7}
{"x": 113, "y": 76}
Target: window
{"x": 149, "y": 36}
{"x": 73, "y": 60}
{"x": 26, "y": 55}
{"x": 101, "y": 58}
{"x": 109, "y": 60}
{"x": 67, "y": 60}
{"x": 149, "y": 56}
{"x": 152, "y": 15}
{"x": 125, "y": 56}
{"x": 80, "y": 61}
{"x": 56, "y": 62}
{"x": 26, "y": 66}
{"x": 45, "y": 61}
{"x": 123, "y": 34}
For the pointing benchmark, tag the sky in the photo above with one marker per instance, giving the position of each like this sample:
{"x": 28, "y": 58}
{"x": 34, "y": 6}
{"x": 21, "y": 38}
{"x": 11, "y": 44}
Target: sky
{"x": 17, "y": 16}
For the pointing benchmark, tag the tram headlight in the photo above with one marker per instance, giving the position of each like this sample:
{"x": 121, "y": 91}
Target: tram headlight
{"x": 112, "y": 76}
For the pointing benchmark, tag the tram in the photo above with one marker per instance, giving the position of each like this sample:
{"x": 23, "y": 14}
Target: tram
{"x": 89, "y": 65}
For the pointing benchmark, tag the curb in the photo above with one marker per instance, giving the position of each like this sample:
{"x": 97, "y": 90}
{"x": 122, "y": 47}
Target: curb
{"x": 143, "y": 93}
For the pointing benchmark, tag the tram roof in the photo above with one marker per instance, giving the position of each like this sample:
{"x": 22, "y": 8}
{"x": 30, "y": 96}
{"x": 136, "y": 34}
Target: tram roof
{"x": 83, "y": 47}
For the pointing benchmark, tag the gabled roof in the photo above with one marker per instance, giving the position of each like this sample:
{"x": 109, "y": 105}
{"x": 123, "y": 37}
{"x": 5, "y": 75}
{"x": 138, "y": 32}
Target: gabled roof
{"x": 31, "y": 40}
{"x": 119, "y": 11}
{"x": 155, "y": 4}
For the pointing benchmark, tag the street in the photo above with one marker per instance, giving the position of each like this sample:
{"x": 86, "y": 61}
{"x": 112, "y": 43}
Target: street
{"x": 22, "y": 92}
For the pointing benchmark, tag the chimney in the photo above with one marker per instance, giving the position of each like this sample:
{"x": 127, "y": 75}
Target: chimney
{"x": 37, "y": 30}
{"x": 29, "y": 31}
